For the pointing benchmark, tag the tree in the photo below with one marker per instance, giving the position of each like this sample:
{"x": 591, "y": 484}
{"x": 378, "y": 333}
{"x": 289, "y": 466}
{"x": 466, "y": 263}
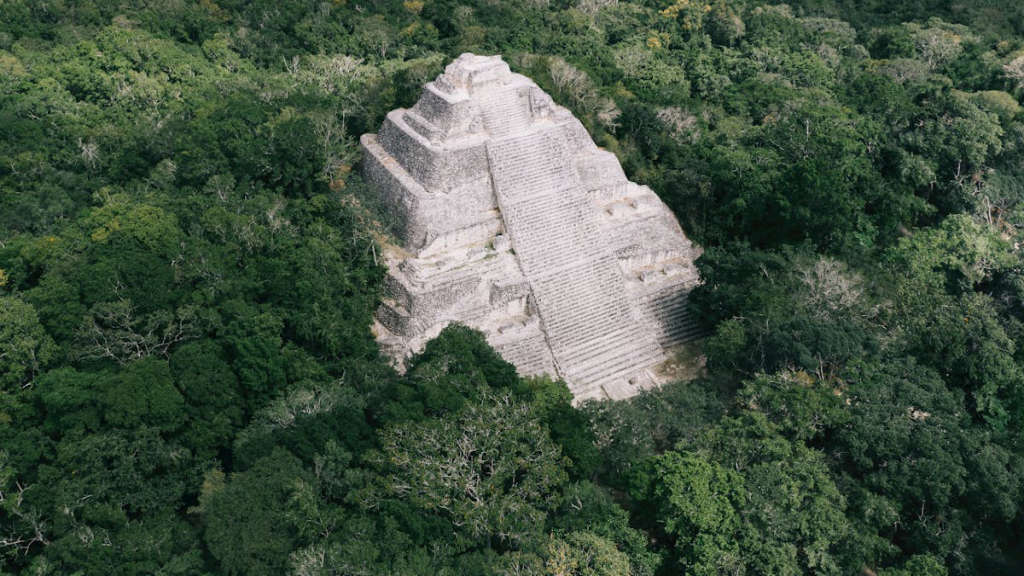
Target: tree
{"x": 909, "y": 449}
{"x": 490, "y": 469}
{"x": 723, "y": 24}
{"x": 784, "y": 309}
{"x": 210, "y": 390}
{"x": 589, "y": 508}
{"x": 25, "y": 347}
{"x": 243, "y": 521}
{"x": 946, "y": 323}
{"x": 144, "y": 394}
{"x": 699, "y": 502}
{"x": 453, "y": 368}
{"x": 585, "y": 554}
{"x": 253, "y": 340}
{"x": 918, "y": 566}
{"x": 747, "y": 499}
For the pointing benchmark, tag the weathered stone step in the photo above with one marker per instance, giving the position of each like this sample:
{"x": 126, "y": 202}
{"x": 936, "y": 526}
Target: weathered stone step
{"x": 674, "y": 322}
{"x": 531, "y": 356}
{"x": 579, "y": 291}
{"x": 596, "y": 353}
{"x": 576, "y": 313}
{"x": 529, "y": 164}
{"x": 552, "y": 235}
{"x": 687, "y": 332}
{"x": 505, "y": 112}
{"x": 597, "y": 362}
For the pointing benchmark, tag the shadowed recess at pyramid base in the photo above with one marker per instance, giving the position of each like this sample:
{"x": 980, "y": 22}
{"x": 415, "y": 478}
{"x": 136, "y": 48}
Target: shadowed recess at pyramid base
{"x": 512, "y": 221}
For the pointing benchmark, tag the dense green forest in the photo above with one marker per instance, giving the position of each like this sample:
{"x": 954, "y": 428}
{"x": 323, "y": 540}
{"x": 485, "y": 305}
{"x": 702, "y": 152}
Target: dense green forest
{"x": 188, "y": 272}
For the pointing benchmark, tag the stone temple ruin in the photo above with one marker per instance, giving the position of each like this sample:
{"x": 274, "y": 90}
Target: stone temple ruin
{"x": 512, "y": 221}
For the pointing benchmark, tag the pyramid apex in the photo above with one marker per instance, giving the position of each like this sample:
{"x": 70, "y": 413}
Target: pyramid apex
{"x": 470, "y": 72}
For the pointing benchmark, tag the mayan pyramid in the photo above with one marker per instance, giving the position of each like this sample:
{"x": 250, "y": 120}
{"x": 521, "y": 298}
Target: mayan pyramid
{"x": 512, "y": 221}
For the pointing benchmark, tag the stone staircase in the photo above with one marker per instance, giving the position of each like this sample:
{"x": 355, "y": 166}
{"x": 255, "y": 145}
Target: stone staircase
{"x": 614, "y": 357}
{"x": 505, "y": 112}
{"x": 557, "y": 231}
{"x": 673, "y": 322}
{"x": 594, "y": 335}
{"x": 529, "y": 355}
{"x": 581, "y": 302}
{"x": 528, "y": 165}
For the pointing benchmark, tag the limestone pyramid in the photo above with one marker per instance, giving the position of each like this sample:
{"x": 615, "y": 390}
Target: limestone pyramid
{"x": 512, "y": 221}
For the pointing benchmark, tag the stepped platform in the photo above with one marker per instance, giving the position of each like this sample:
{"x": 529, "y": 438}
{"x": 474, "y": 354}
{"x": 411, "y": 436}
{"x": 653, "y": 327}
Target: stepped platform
{"x": 512, "y": 221}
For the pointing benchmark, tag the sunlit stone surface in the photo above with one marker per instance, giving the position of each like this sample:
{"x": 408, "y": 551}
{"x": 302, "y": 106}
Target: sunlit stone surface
{"x": 512, "y": 221}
